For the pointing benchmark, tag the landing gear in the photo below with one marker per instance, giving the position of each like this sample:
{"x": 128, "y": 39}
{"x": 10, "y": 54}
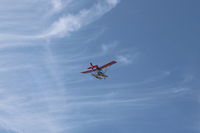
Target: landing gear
{"x": 96, "y": 76}
{"x": 102, "y": 74}
{"x": 99, "y": 75}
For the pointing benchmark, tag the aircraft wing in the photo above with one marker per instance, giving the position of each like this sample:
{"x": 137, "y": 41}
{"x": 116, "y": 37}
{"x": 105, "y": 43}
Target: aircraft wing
{"x": 108, "y": 64}
{"x": 89, "y": 71}
{"x": 102, "y": 67}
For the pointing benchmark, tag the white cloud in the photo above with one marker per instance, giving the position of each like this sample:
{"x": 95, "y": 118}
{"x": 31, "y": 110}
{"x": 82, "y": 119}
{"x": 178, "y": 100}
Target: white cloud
{"x": 128, "y": 56}
{"x": 64, "y": 25}
{"x": 31, "y": 26}
{"x": 113, "y": 2}
{"x": 57, "y": 4}
{"x": 107, "y": 47}
{"x": 124, "y": 59}
{"x": 73, "y": 22}
{"x": 180, "y": 90}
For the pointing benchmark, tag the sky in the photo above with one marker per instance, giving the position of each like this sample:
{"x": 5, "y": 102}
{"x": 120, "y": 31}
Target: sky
{"x": 153, "y": 88}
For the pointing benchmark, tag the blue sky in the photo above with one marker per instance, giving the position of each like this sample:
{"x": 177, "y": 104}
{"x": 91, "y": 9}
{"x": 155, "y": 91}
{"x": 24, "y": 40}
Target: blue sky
{"x": 45, "y": 44}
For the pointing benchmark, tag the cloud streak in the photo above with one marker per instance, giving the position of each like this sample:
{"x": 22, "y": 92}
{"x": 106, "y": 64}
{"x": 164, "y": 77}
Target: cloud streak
{"x": 69, "y": 23}
{"x": 57, "y": 4}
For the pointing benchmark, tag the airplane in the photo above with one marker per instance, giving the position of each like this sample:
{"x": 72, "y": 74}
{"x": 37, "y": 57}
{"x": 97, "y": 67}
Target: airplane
{"x": 97, "y": 71}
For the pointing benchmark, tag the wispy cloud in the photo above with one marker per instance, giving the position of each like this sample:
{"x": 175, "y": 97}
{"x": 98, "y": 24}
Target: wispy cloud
{"x": 35, "y": 26}
{"x": 73, "y": 22}
{"x": 57, "y": 4}
{"x": 109, "y": 47}
{"x": 128, "y": 58}
{"x": 124, "y": 59}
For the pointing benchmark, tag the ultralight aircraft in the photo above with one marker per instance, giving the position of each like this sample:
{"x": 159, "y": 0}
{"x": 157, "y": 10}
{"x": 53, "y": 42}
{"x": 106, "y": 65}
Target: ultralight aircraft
{"x": 97, "y": 71}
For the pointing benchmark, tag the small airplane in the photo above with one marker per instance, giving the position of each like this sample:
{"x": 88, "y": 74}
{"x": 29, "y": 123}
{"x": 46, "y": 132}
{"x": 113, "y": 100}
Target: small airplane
{"x": 97, "y": 71}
